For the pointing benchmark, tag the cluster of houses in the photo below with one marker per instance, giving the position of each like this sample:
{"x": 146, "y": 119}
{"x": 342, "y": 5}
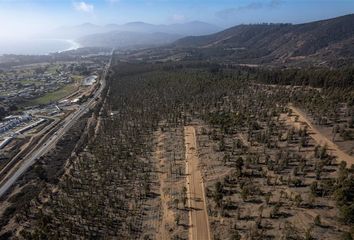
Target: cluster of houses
{"x": 11, "y": 122}
{"x": 25, "y": 83}
{"x": 14, "y": 86}
{"x": 28, "y": 82}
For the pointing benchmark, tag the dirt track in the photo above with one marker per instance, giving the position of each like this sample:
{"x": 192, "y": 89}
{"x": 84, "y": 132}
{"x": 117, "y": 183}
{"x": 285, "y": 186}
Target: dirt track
{"x": 198, "y": 217}
{"x": 320, "y": 138}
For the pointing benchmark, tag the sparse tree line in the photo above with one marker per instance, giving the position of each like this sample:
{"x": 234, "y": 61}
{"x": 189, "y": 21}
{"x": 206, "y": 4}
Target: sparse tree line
{"x": 103, "y": 193}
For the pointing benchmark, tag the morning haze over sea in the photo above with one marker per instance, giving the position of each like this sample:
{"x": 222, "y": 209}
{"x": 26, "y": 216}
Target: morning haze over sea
{"x": 36, "y": 46}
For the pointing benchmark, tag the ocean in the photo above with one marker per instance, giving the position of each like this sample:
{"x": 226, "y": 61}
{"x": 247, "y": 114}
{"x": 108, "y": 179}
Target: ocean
{"x": 37, "y": 46}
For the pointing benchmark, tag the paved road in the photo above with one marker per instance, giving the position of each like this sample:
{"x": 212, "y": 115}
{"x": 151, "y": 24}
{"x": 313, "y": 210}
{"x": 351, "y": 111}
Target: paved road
{"x": 6, "y": 170}
{"x": 51, "y": 142}
{"x": 321, "y": 139}
{"x": 198, "y": 216}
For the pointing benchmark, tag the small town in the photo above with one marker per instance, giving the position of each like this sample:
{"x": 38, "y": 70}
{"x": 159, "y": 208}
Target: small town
{"x": 37, "y": 98}
{"x": 25, "y": 83}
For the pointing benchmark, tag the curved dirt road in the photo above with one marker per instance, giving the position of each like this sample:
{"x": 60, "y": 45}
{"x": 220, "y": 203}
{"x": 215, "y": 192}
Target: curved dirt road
{"x": 321, "y": 139}
{"x": 198, "y": 216}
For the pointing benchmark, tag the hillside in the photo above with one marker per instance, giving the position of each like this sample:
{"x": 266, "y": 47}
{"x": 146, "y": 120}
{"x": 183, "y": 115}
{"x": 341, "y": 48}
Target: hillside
{"x": 194, "y": 28}
{"x": 136, "y": 34}
{"x": 319, "y": 42}
{"x": 119, "y": 39}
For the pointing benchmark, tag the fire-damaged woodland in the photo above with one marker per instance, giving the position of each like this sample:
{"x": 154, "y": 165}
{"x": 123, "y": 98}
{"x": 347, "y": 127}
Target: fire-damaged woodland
{"x": 266, "y": 153}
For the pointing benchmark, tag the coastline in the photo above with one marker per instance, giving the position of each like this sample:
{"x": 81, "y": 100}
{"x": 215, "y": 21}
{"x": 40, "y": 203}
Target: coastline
{"x": 74, "y": 45}
{"x": 42, "y": 46}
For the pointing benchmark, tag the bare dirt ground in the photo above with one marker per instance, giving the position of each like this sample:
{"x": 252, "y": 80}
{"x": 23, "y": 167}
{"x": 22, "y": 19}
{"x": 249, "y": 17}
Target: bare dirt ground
{"x": 320, "y": 138}
{"x": 198, "y": 216}
{"x": 170, "y": 164}
{"x": 253, "y": 217}
{"x": 167, "y": 214}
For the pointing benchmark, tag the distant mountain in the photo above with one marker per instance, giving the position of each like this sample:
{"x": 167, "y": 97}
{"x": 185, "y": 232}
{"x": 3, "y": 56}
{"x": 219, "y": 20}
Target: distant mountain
{"x": 320, "y": 42}
{"x": 195, "y": 28}
{"x": 123, "y": 40}
{"x": 73, "y": 32}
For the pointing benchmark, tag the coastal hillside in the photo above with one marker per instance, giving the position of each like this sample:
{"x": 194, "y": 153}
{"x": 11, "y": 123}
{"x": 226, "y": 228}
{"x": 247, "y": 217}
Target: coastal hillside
{"x": 320, "y": 42}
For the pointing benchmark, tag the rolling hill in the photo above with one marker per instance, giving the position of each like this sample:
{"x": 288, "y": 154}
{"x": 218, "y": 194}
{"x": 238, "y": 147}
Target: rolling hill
{"x": 194, "y": 28}
{"x": 125, "y": 40}
{"x": 320, "y": 42}
{"x": 133, "y": 34}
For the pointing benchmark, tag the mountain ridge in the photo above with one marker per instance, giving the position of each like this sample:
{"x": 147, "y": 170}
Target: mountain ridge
{"x": 127, "y": 39}
{"x": 319, "y": 41}
{"x": 184, "y": 29}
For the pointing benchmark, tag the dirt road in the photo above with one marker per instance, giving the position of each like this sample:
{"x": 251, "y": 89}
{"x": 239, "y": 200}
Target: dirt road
{"x": 198, "y": 216}
{"x": 320, "y": 138}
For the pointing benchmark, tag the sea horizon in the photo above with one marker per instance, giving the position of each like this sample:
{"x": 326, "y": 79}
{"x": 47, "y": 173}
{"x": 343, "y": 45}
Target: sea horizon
{"x": 43, "y": 46}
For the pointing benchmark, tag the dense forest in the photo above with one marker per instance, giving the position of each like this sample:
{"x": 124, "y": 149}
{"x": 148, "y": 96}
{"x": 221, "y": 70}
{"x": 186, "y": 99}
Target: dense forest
{"x": 315, "y": 77}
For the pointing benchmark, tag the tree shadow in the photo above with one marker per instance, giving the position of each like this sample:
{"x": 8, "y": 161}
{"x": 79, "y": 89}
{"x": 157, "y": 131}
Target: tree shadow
{"x": 152, "y": 195}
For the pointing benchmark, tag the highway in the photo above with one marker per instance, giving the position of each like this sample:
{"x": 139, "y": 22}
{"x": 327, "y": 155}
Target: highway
{"x": 15, "y": 173}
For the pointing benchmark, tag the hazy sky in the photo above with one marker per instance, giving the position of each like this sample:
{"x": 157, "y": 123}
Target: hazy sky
{"x": 19, "y": 18}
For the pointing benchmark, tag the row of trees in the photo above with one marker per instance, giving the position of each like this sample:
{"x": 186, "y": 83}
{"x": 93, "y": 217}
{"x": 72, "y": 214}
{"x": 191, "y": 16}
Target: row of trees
{"x": 315, "y": 77}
